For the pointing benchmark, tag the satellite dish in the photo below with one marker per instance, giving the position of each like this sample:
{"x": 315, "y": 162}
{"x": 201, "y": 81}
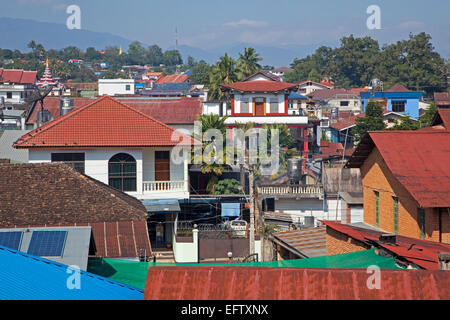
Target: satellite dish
{"x": 39, "y": 95}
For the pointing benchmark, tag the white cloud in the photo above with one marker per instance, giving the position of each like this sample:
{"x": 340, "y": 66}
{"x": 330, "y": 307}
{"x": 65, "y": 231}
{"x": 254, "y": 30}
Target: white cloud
{"x": 246, "y": 23}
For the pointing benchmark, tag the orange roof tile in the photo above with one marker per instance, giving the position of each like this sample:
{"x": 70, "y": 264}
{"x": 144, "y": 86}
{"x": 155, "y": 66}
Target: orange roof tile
{"x": 105, "y": 122}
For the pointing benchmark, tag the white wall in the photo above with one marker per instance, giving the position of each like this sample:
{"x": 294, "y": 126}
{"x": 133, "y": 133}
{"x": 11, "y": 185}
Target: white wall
{"x": 298, "y": 209}
{"x": 115, "y": 86}
{"x": 186, "y": 251}
{"x": 250, "y": 98}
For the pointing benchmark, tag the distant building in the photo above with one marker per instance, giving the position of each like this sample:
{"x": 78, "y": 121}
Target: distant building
{"x": 114, "y": 87}
{"x": 397, "y": 99}
{"x": 279, "y": 72}
{"x": 16, "y": 85}
{"x": 442, "y": 99}
{"x": 308, "y": 86}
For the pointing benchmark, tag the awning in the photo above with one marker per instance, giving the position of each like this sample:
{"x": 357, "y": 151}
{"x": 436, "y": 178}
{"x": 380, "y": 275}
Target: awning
{"x": 231, "y": 209}
{"x": 162, "y": 206}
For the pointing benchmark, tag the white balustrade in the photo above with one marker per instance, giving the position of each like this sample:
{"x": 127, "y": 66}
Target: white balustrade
{"x": 164, "y": 186}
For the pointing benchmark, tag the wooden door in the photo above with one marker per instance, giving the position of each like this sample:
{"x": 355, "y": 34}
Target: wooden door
{"x": 259, "y": 107}
{"x": 162, "y": 166}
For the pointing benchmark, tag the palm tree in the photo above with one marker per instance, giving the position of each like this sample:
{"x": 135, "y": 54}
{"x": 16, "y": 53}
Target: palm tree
{"x": 213, "y": 170}
{"x": 224, "y": 71}
{"x": 248, "y": 62}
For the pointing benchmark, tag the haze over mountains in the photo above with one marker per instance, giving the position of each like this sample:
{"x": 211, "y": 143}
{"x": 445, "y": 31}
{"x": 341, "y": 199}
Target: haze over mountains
{"x": 17, "y": 33}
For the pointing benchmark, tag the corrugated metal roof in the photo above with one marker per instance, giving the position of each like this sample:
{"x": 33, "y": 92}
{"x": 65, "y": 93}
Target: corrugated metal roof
{"x": 134, "y": 273}
{"x": 262, "y": 283}
{"x": 7, "y": 151}
{"x": 308, "y": 242}
{"x": 420, "y": 252}
{"x": 417, "y": 159}
{"x": 27, "y": 277}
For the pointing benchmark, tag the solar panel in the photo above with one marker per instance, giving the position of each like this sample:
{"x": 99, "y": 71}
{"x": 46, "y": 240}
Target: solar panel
{"x": 47, "y": 243}
{"x": 11, "y": 239}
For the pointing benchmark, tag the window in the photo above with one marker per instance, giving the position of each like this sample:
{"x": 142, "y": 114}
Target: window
{"x": 377, "y": 208}
{"x": 74, "y": 160}
{"x": 398, "y": 106}
{"x": 344, "y": 103}
{"x": 127, "y": 87}
{"x": 290, "y": 105}
{"x": 9, "y": 95}
{"x": 244, "y": 106}
{"x": 395, "y": 214}
{"x": 422, "y": 223}
{"x": 273, "y": 106}
{"x": 122, "y": 172}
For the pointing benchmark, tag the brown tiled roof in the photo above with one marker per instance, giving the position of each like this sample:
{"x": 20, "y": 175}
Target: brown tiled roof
{"x": 54, "y": 193}
{"x": 442, "y": 98}
{"x": 324, "y": 94}
{"x": 398, "y": 88}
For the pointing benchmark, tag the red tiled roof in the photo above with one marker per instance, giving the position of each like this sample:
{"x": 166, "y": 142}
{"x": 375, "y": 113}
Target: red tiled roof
{"x": 442, "y": 117}
{"x": 315, "y": 83}
{"x": 105, "y": 122}
{"x": 52, "y": 104}
{"x": 172, "y": 78}
{"x": 421, "y": 252}
{"x": 259, "y": 86}
{"x": 17, "y": 76}
{"x": 168, "y": 110}
{"x": 266, "y": 283}
{"x": 417, "y": 159}
{"x": 397, "y": 88}
{"x": 442, "y": 98}
{"x": 351, "y": 121}
{"x": 324, "y": 94}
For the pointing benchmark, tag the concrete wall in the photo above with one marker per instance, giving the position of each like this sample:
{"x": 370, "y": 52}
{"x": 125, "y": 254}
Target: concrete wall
{"x": 186, "y": 251}
{"x": 115, "y": 86}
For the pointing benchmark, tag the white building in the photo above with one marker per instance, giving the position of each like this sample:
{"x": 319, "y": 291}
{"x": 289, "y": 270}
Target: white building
{"x": 16, "y": 85}
{"x": 117, "y": 145}
{"x": 114, "y": 87}
{"x": 307, "y": 87}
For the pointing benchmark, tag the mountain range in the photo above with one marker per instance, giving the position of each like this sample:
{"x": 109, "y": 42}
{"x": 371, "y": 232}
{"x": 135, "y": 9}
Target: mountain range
{"x": 17, "y": 33}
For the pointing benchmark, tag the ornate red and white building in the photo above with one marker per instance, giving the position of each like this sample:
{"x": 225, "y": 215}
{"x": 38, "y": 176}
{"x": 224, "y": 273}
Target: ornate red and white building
{"x": 263, "y": 99}
{"x": 47, "y": 80}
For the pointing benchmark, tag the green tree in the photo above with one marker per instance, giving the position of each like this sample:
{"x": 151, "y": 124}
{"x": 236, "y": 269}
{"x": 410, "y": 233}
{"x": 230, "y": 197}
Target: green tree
{"x": 314, "y": 75}
{"x": 223, "y": 72}
{"x": 200, "y": 73}
{"x": 227, "y": 186}
{"x": 373, "y": 120}
{"x": 248, "y": 62}
{"x": 136, "y": 53}
{"x": 172, "y": 58}
{"x": 406, "y": 123}
{"x": 426, "y": 119}
{"x": 216, "y": 168}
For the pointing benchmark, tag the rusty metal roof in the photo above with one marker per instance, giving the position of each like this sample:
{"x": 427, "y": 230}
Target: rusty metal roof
{"x": 309, "y": 242}
{"x": 417, "y": 159}
{"x": 420, "y": 252}
{"x": 264, "y": 283}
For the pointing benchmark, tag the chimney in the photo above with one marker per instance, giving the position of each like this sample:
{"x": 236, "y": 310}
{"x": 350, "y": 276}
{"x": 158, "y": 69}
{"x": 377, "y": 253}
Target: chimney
{"x": 388, "y": 238}
{"x": 444, "y": 260}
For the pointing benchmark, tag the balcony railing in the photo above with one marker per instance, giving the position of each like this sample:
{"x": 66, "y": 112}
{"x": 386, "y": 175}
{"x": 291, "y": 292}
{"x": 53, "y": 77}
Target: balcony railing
{"x": 300, "y": 191}
{"x": 165, "y": 186}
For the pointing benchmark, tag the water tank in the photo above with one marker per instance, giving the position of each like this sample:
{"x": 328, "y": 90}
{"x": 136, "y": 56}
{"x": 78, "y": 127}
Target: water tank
{"x": 295, "y": 170}
{"x": 65, "y": 105}
{"x": 309, "y": 221}
{"x": 44, "y": 116}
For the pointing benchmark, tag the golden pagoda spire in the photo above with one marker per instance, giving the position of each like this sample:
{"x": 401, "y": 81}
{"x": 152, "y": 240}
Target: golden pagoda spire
{"x": 46, "y": 62}
{"x": 120, "y": 50}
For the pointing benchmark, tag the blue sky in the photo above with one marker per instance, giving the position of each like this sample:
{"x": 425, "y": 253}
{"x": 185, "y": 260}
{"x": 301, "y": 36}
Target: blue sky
{"x": 218, "y": 23}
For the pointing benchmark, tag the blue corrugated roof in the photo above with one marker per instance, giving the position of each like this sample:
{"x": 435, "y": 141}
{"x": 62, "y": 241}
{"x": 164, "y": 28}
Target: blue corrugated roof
{"x": 295, "y": 95}
{"x": 27, "y": 277}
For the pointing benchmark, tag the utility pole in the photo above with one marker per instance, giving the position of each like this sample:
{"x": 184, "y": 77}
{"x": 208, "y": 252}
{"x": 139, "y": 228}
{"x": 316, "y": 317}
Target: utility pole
{"x": 251, "y": 169}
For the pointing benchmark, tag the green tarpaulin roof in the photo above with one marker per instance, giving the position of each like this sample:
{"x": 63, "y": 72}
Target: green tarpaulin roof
{"x": 134, "y": 273}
